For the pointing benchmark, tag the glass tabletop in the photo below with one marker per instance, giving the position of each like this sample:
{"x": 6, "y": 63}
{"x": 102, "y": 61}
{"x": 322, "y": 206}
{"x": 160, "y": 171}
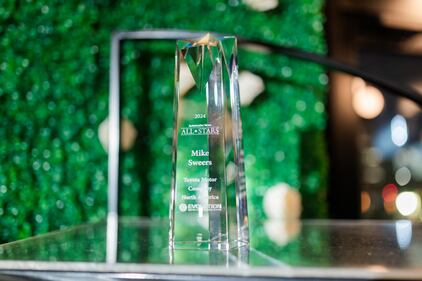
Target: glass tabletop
{"x": 285, "y": 249}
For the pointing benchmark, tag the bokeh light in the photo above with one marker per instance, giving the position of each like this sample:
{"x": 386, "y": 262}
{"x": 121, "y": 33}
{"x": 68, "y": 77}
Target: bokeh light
{"x": 365, "y": 201}
{"x": 408, "y": 203}
{"x": 261, "y": 5}
{"x": 389, "y": 193}
{"x": 368, "y": 101}
{"x": 399, "y": 133}
{"x": 357, "y": 84}
{"x": 250, "y": 85}
{"x": 404, "y": 233}
{"x": 408, "y": 108}
{"x": 410, "y": 157}
{"x": 403, "y": 176}
{"x": 390, "y": 207}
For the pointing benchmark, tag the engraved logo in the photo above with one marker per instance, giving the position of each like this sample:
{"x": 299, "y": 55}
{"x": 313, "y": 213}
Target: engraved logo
{"x": 200, "y": 130}
{"x": 183, "y": 207}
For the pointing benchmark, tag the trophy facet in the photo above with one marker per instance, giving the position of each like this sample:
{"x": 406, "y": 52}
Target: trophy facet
{"x": 208, "y": 208}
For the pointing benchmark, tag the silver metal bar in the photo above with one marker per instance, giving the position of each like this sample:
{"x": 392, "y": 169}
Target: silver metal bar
{"x": 113, "y": 151}
{"x": 158, "y": 34}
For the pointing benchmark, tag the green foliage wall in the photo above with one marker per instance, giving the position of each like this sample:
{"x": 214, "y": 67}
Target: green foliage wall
{"x": 54, "y": 63}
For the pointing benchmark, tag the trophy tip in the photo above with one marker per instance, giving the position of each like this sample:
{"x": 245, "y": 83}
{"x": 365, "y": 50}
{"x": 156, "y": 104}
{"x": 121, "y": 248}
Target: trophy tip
{"x": 204, "y": 39}
{"x": 207, "y": 39}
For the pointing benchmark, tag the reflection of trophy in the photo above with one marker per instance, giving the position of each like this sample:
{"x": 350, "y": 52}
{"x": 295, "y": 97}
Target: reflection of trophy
{"x": 208, "y": 207}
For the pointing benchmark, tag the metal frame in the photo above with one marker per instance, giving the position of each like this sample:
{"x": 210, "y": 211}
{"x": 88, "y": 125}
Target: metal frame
{"x": 114, "y": 124}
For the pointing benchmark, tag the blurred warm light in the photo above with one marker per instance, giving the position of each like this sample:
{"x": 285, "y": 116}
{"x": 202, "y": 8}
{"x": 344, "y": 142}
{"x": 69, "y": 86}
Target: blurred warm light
{"x": 250, "y": 85}
{"x": 368, "y": 101}
{"x": 128, "y": 134}
{"x": 399, "y": 130}
{"x": 408, "y": 203}
{"x": 403, "y": 14}
{"x": 282, "y": 231}
{"x": 282, "y": 202}
{"x": 403, "y": 176}
{"x": 389, "y": 207}
{"x": 357, "y": 84}
{"x": 404, "y": 233}
{"x": 378, "y": 268}
{"x": 389, "y": 193}
{"x": 408, "y": 108}
{"x": 261, "y": 5}
{"x": 365, "y": 201}
{"x": 186, "y": 80}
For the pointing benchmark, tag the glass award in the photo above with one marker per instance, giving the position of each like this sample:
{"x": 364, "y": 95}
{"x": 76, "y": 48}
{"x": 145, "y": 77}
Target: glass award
{"x": 208, "y": 208}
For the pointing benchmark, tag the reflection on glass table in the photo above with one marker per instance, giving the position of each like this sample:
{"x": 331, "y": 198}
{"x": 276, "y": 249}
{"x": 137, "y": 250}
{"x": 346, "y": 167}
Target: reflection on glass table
{"x": 302, "y": 249}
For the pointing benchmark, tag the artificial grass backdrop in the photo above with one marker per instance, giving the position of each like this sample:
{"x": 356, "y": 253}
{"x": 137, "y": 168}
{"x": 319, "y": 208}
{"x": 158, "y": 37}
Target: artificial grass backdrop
{"x": 54, "y": 68}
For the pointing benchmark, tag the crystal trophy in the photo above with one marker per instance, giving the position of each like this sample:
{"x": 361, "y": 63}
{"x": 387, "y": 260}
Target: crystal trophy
{"x": 208, "y": 208}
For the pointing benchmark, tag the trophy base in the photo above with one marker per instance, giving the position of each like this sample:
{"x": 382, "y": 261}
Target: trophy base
{"x": 208, "y": 245}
